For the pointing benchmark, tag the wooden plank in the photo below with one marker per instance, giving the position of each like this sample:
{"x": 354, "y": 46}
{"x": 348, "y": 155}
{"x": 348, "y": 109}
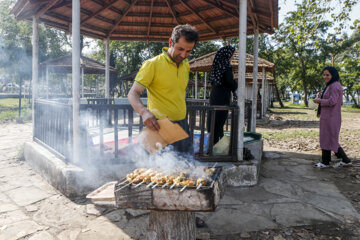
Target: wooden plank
{"x": 174, "y": 225}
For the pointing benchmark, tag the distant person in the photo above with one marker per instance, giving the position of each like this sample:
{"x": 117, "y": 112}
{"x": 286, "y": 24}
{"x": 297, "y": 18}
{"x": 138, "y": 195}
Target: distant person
{"x": 329, "y": 111}
{"x": 222, "y": 84}
{"x": 165, "y": 78}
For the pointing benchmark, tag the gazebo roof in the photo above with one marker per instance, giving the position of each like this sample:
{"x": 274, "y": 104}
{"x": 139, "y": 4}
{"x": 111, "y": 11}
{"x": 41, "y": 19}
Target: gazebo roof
{"x": 151, "y": 20}
{"x": 204, "y": 63}
{"x": 64, "y": 65}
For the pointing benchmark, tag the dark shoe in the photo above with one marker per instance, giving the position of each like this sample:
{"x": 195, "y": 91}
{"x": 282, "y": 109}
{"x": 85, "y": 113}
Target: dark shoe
{"x": 199, "y": 222}
{"x": 343, "y": 155}
{"x": 325, "y": 157}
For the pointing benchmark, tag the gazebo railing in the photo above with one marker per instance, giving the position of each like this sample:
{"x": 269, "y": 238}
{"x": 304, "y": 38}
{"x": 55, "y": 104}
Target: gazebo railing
{"x": 106, "y": 128}
{"x": 53, "y": 126}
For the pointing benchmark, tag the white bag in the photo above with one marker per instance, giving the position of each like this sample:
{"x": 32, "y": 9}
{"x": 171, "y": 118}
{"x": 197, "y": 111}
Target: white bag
{"x": 222, "y": 146}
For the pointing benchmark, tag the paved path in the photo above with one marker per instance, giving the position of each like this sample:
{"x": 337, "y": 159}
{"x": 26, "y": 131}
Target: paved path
{"x": 290, "y": 193}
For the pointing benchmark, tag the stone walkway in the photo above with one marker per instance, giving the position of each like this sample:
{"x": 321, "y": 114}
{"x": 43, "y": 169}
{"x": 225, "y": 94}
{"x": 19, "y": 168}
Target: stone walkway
{"x": 290, "y": 193}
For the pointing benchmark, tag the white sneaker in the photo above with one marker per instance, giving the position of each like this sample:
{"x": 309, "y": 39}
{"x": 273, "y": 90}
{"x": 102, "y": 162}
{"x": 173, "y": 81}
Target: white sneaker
{"x": 342, "y": 164}
{"x": 321, "y": 165}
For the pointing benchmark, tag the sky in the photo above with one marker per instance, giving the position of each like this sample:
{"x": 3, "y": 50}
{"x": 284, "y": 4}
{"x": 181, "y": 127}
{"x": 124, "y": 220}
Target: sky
{"x": 289, "y": 5}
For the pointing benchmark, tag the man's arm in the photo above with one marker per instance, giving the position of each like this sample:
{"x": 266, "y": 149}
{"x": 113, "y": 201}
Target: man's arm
{"x": 148, "y": 117}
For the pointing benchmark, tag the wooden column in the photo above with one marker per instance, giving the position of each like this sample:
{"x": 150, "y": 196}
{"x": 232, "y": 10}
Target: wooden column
{"x": 241, "y": 75}
{"x": 205, "y": 85}
{"x": 35, "y": 67}
{"x": 82, "y": 82}
{"x": 263, "y": 92}
{"x": 47, "y": 82}
{"x": 171, "y": 225}
{"x": 107, "y": 69}
{"x": 76, "y": 145}
{"x": 196, "y": 82}
{"x": 255, "y": 81}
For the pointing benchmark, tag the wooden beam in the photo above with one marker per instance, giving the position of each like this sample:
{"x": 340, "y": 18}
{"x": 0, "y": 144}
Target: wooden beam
{"x": 254, "y": 17}
{"x": 20, "y": 11}
{"x": 47, "y": 7}
{"x": 271, "y": 11}
{"x": 109, "y": 4}
{"x": 172, "y": 11}
{"x": 196, "y": 14}
{"x": 118, "y": 21}
{"x": 262, "y": 13}
{"x": 151, "y": 9}
{"x": 216, "y": 5}
{"x": 62, "y": 4}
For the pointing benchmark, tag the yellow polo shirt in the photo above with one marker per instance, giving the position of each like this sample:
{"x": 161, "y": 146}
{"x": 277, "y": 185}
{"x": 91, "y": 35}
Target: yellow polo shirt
{"x": 165, "y": 84}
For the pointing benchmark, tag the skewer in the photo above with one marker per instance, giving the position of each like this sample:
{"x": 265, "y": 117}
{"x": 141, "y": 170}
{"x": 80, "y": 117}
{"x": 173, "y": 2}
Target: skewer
{"x": 123, "y": 182}
{"x": 198, "y": 187}
{"x": 172, "y": 186}
{"x": 163, "y": 186}
{"x": 155, "y": 186}
{"x": 124, "y": 186}
{"x": 149, "y": 185}
{"x": 183, "y": 188}
{"x": 138, "y": 184}
{"x": 214, "y": 165}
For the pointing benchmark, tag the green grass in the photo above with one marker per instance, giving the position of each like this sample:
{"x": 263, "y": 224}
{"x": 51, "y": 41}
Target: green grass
{"x": 350, "y": 109}
{"x": 282, "y": 135}
{"x": 13, "y": 102}
{"x": 9, "y": 109}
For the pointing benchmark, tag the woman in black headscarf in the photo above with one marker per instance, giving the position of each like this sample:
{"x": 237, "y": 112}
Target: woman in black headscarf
{"x": 329, "y": 111}
{"x": 222, "y": 81}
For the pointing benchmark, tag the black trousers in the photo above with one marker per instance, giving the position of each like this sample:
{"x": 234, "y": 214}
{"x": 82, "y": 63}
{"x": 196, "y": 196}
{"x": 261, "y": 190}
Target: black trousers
{"x": 220, "y": 119}
{"x": 326, "y": 156}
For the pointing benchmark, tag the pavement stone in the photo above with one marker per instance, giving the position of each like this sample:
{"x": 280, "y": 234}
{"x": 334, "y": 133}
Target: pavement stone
{"x": 43, "y": 235}
{"x": 290, "y": 192}
{"x": 69, "y": 234}
{"x": 27, "y": 195}
{"x": 19, "y": 230}
{"x": 297, "y": 214}
{"x": 7, "y": 207}
{"x": 11, "y": 217}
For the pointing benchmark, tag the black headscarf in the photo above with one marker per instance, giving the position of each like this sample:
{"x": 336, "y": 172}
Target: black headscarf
{"x": 335, "y": 78}
{"x": 221, "y": 64}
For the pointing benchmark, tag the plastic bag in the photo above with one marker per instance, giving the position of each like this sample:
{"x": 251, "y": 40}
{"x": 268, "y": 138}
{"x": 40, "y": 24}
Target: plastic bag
{"x": 222, "y": 146}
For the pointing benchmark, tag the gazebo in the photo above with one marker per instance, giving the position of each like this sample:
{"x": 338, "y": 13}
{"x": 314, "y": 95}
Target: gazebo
{"x": 148, "y": 20}
{"x": 63, "y": 65}
{"x": 204, "y": 63}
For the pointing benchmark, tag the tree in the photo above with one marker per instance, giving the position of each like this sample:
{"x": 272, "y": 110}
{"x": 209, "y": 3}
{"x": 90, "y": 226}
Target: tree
{"x": 16, "y": 47}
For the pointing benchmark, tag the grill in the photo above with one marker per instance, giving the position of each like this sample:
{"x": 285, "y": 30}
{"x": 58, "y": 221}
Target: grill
{"x": 172, "y": 203}
{"x": 201, "y": 197}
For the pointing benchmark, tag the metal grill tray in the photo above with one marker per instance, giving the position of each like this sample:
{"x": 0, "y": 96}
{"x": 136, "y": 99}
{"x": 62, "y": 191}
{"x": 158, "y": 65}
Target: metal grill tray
{"x": 204, "y": 199}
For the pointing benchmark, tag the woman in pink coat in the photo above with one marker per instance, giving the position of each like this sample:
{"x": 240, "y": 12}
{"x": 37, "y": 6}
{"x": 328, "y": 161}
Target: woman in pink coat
{"x": 329, "y": 111}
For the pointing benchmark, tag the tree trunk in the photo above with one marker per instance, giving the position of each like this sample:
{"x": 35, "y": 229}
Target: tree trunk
{"x": 354, "y": 99}
{"x": 303, "y": 74}
{"x": 171, "y": 225}
{"x": 277, "y": 91}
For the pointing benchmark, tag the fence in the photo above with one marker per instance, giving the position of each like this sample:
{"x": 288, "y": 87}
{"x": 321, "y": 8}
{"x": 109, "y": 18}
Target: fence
{"x": 53, "y": 127}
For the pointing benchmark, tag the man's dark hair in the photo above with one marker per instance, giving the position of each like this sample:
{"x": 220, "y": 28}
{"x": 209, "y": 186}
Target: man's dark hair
{"x": 188, "y": 31}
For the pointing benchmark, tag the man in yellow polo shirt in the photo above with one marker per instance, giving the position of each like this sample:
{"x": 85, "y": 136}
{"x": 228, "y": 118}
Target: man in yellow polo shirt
{"x": 165, "y": 78}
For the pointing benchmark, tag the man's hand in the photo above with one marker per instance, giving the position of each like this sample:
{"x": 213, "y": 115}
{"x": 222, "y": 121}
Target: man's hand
{"x": 149, "y": 120}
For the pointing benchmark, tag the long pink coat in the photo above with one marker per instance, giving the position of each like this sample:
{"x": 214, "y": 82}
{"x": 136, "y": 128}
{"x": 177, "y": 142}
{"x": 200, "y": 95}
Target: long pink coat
{"x": 330, "y": 117}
